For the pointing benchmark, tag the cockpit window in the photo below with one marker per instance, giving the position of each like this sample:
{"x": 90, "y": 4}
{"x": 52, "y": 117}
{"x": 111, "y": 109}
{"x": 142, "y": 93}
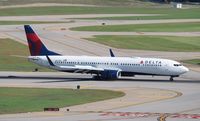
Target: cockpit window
{"x": 177, "y": 64}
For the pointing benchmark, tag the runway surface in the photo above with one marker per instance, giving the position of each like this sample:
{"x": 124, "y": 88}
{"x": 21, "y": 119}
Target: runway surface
{"x": 147, "y": 98}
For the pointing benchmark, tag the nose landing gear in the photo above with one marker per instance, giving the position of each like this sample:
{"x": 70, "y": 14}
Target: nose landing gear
{"x": 171, "y": 78}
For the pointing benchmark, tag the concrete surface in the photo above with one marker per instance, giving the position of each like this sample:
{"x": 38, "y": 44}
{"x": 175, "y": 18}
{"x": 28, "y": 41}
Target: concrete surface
{"x": 59, "y": 38}
{"x": 147, "y": 98}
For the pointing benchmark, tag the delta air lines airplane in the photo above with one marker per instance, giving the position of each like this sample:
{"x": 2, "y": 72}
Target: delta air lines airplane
{"x": 101, "y": 67}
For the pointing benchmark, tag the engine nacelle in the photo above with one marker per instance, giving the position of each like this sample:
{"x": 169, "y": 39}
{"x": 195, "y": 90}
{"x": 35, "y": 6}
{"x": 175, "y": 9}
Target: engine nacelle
{"x": 110, "y": 74}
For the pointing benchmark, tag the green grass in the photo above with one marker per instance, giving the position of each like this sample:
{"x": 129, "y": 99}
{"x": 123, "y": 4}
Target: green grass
{"x": 193, "y": 61}
{"x": 176, "y": 14}
{"x": 28, "y": 22}
{"x": 156, "y": 43}
{"x": 8, "y": 62}
{"x": 87, "y": 2}
{"x": 18, "y": 100}
{"x": 153, "y": 17}
{"x": 166, "y": 27}
{"x": 165, "y": 13}
{"x": 61, "y": 10}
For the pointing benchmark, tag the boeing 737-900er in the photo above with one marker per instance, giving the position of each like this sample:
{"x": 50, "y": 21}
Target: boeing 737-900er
{"x": 101, "y": 67}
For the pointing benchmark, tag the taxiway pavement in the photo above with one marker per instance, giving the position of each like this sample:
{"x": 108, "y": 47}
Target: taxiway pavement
{"x": 59, "y": 37}
{"x": 147, "y": 98}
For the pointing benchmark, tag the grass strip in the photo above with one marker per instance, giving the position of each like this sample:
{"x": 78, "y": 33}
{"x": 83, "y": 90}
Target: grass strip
{"x": 18, "y": 100}
{"x": 28, "y": 22}
{"x": 63, "y": 10}
{"x": 155, "y": 43}
{"x": 159, "y": 27}
{"x": 193, "y": 61}
{"x": 8, "y": 62}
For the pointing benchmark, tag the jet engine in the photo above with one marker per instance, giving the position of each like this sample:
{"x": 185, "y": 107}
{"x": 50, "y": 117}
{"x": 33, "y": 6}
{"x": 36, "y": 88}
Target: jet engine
{"x": 110, "y": 74}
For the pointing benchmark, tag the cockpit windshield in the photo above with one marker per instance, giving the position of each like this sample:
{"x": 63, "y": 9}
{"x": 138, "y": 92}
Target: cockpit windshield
{"x": 178, "y": 65}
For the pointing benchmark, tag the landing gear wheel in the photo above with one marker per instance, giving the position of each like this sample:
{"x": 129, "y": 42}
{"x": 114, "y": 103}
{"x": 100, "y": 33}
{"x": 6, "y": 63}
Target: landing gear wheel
{"x": 171, "y": 78}
{"x": 97, "y": 77}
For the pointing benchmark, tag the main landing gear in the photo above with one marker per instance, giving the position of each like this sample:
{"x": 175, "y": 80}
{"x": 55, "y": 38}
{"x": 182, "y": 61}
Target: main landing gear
{"x": 97, "y": 77}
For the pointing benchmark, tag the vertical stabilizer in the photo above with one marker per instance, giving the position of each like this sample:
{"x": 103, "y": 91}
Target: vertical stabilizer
{"x": 36, "y": 46}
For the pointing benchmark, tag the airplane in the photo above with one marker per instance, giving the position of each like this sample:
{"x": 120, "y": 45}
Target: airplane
{"x": 105, "y": 68}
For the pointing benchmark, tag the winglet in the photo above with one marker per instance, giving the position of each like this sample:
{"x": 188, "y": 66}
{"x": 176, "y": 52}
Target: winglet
{"x": 49, "y": 60}
{"x": 111, "y": 53}
{"x": 36, "y": 46}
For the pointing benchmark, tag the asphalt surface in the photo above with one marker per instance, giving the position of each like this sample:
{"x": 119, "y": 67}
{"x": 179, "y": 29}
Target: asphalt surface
{"x": 147, "y": 98}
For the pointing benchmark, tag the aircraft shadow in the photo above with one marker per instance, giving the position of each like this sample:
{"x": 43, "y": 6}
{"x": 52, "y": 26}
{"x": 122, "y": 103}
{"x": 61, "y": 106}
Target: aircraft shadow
{"x": 68, "y": 79}
{"x": 161, "y": 80}
{"x": 60, "y": 79}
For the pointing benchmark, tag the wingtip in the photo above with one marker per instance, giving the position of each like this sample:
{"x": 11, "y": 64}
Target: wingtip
{"x": 111, "y": 53}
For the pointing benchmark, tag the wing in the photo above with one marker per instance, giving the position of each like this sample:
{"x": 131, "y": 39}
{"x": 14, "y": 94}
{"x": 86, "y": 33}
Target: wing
{"x": 80, "y": 69}
{"x": 111, "y": 53}
{"x": 105, "y": 72}
{"x": 76, "y": 68}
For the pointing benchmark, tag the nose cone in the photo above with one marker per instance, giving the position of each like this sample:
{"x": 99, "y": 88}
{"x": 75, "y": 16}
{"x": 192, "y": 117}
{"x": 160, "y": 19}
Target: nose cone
{"x": 185, "y": 69}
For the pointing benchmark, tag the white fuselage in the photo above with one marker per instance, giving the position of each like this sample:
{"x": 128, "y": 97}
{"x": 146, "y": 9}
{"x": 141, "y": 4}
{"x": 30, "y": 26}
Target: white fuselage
{"x": 135, "y": 65}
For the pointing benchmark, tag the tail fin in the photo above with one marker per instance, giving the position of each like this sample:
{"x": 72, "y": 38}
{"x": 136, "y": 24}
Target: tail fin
{"x": 36, "y": 46}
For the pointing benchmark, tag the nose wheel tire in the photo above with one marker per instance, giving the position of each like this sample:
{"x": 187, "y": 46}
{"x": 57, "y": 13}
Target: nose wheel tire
{"x": 171, "y": 78}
